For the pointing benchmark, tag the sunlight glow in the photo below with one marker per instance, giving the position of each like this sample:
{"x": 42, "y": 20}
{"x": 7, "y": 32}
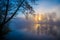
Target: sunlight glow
{"x": 36, "y": 26}
{"x": 37, "y": 18}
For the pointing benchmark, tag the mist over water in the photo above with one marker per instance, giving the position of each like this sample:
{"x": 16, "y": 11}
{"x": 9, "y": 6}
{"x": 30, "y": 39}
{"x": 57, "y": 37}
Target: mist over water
{"x": 25, "y": 29}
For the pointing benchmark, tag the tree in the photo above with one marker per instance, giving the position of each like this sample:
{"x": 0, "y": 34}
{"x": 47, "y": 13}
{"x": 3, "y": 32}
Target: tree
{"x": 9, "y": 8}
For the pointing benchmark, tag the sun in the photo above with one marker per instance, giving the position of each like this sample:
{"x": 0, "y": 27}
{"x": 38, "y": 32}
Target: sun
{"x": 39, "y": 18}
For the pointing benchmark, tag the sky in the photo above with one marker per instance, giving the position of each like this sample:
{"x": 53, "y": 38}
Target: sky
{"x": 46, "y": 6}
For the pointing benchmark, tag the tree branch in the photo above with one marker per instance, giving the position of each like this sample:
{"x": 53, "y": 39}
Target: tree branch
{"x": 14, "y": 12}
{"x": 5, "y": 15}
{"x": 6, "y": 11}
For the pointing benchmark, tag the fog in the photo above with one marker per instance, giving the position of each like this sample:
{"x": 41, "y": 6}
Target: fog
{"x": 21, "y": 30}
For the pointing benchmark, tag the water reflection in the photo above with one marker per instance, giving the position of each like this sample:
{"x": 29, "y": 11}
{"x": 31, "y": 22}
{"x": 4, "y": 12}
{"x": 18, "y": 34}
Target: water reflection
{"x": 31, "y": 30}
{"x": 44, "y": 29}
{"x": 36, "y": 28}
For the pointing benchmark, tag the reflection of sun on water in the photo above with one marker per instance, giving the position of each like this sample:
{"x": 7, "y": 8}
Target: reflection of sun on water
{"x": 40, "y": 24}
{"x": 36, "y": 26}
{"x": 36, "y": 19}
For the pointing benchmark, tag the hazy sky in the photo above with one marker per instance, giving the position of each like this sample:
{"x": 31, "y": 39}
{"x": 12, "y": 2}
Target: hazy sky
{"x": 47, "y": 6}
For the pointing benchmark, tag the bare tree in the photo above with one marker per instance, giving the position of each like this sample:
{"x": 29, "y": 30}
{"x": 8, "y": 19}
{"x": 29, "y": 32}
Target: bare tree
{"x": 5, "y": 10}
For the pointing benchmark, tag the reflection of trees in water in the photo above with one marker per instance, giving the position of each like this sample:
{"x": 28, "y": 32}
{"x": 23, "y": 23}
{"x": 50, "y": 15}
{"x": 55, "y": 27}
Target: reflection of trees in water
{"x": 45, "y": 29}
